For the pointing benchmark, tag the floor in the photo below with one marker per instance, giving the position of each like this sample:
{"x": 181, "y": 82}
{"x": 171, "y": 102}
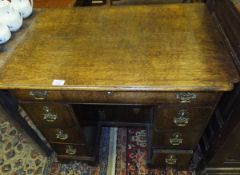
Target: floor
{"x": 18, "y": 153}
{"x": 237, "y": 4}
{"x": 122, "y": 152}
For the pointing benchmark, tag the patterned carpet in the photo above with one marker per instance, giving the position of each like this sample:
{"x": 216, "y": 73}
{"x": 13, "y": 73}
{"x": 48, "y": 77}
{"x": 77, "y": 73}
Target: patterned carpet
{"x": 123, "y": 152}
{"x": 18, "y": 153}
{"x": 237, "y": 4}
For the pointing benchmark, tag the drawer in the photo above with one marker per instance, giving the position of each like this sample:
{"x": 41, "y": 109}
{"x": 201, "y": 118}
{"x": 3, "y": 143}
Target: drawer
{"x": 181, "y": 118}
{"x": 87, "y": 135}
{"x": 113, "y": 113}
{"x": 176, "y": 139}
{"x": 129, "y": 97}
{"x": 64, "y": 135}
{"x": 49, "y": 114}
{"x": 80, "y": 152}
{"x": 179, "y": 159}
{"x": 37, "y": 95}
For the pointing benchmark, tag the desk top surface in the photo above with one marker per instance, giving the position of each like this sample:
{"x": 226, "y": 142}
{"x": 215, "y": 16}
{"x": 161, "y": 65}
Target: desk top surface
{"x": 152, "y": 48}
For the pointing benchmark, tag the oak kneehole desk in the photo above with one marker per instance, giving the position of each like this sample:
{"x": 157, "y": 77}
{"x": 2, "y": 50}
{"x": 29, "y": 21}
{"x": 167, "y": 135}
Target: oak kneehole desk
{"x": 159, "y": 66}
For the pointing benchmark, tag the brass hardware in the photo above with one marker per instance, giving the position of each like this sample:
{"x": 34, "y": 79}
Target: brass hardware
{"x": 176, "y": 139}
{"x": 61, "y": 135}
{"x": 109, "y": 93}
{"x": 186, "y": 97}
{"x": 171, "y": 159}
{"x": 70, "y": 150}
{"x": 39, "y": 95}
{"x": 46, "y": 109}
{"x": 182, "y": 118}
{"x": 136, "y": 110}
{"x": 48, "y": 116}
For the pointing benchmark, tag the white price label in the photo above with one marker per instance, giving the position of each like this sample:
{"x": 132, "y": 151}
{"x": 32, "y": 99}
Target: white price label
{"x": 58, "y": 82}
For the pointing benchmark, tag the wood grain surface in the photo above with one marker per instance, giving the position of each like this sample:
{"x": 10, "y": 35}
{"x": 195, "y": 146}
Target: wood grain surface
{"x": 8, "y": 48}
{"x": 154, "y": 48}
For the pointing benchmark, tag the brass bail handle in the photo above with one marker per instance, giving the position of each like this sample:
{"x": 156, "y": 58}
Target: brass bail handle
{"x": 48, "y": 116}
{"x": 182, "y": 118}
{"x": 70, "y": 150}
{"x": 39, "y": 95}
{"x": 61, "y": 135}
{"x": 171, "y": 159}
{"x": 176, "y": 139}
{"x": 186, "y": 97}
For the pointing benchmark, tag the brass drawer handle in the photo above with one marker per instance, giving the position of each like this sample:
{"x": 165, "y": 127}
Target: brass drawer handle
{"x": 39, "y": 95}
{"x": 182, "y": 118}
{"x": 176, "y": 139}
{"x": 48, "y": 116}
{"x": 136, "y": 111}
{"x": 61, "y": 135}
{"x": 186, "y": 97}
{"x": 70, "y": 150}
{"x": 171, "y": 159}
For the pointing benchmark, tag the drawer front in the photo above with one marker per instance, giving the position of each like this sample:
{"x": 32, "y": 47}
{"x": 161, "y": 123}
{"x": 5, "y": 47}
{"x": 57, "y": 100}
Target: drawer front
{"x": 130, "y": 97}
{"x": 37, "y": 95}
{"x": 81, "y": 152}
{"x": 179, "y": 159}
{"x": 113, "y": 113}
{"x": 181, "y": 118}
{"x": 59, "y": 135}
{"x": 49, "y": 114}
{"x": 132, "y": 114}
{"x": 175, "y": 139}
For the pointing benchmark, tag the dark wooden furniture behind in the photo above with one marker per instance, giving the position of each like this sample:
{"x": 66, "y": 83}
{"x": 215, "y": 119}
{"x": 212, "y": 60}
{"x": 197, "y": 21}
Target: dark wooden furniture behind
{"x": 220, "y": 141}
{"x": 55, "y": 3}
{"x": 133, "y": 2}
{"x": 164, "y": 68}
{"x": 220, "y": 144}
